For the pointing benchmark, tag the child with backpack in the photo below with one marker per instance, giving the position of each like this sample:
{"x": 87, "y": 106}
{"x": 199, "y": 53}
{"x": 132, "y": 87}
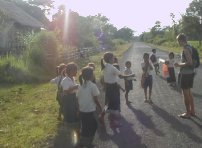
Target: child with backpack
{"x": 57, "y": 80}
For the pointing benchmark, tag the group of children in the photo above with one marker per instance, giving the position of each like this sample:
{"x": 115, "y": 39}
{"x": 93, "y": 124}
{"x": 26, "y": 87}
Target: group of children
{"x": 78, "y": 103}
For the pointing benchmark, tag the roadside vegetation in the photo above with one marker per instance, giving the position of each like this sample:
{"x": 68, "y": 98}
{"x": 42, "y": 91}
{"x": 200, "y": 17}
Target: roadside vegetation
{"x": 28, "y": 108}
{"x": 164, "y": 37}
{"x": 29, "y": 111}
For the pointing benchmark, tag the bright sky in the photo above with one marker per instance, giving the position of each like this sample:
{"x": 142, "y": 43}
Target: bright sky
{"x": 139, "y": 15}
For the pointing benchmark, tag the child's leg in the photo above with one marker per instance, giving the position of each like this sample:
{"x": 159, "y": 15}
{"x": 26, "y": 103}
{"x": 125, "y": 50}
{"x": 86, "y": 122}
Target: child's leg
{"x": 126, "y": 95}
{"x": 145, "y": 93}
{"x": 150, "y": 88}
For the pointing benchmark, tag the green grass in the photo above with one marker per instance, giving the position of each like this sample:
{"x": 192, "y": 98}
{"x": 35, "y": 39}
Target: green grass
{"x": 27, "y": 116}
{"x": 28, "y": 112}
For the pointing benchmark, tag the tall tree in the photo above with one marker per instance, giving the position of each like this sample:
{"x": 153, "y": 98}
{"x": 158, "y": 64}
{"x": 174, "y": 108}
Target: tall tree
{"x": 195, "y": 10}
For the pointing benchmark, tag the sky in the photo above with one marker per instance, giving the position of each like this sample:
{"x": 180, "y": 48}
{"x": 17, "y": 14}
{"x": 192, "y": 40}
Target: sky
{"x": 139, "y": 15}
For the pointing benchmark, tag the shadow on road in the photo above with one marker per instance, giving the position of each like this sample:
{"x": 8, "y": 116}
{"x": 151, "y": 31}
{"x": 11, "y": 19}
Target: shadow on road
{"x": 66, "y": 137}
{"x": 123, "y": 137}
{"x": 145, "y": 120}
{"x": 176, "y": 124}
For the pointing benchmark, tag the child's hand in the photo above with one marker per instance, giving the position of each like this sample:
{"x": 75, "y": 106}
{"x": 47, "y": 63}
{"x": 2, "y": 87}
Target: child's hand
{"x": 176, "y": 65}
{"x": 76, "y": 86}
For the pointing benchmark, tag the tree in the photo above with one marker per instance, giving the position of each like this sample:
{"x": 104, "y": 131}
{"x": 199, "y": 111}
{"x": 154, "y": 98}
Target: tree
{"x": 155, "y": 30}
{"x": 195, "y": 10}
{"x": 125, "y": 33}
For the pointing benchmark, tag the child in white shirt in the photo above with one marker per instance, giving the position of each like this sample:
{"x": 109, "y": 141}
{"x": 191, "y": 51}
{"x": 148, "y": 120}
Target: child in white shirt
{"x": 128, "y": 81}
{"x": 112, "y": 91}
{"x": 57, "y": 80}
{"x": 88, "y": 101}
{"x": 170, "y": 63}
{"x": 69, "y": 86}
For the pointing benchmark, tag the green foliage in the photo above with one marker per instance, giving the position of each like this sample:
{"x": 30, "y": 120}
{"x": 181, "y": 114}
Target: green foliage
{"x": 125, "y": 34}
{"x": 40, "y": 49}
{"x": 13, "y": 70}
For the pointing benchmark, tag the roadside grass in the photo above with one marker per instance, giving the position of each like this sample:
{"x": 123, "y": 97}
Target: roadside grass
{"x": 28, "y": 112}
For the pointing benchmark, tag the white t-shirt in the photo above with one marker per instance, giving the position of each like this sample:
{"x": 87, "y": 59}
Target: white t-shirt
{"x": 171, "y": 62}
{"x": 67, "y": 83}
{"x": 149, "y": 71}
{"x": 111, "y": 74}
{"x": 85, "y": 95}
{"x": 128, "y": 71}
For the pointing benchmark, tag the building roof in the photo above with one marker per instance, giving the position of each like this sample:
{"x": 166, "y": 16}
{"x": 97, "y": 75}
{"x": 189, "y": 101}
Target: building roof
{"x": 18, "y": 15}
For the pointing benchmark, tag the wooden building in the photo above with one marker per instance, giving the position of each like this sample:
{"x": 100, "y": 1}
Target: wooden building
{"x": 15, "y": 22}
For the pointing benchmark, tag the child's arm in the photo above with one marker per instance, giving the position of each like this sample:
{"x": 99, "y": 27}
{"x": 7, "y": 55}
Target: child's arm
{"x": 54, "y": 80}
{"x": 126, "y": 76}
{"x": 97, "y": 103}
{"x": 121, "y": 87}
{"x": 71, "y": 89}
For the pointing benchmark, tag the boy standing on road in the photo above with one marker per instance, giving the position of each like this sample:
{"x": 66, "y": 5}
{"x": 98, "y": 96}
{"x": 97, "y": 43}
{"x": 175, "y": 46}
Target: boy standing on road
{"x": 154, "y": 61}
{"x": 147, "y": 79}
{"x": 186, "y": 76}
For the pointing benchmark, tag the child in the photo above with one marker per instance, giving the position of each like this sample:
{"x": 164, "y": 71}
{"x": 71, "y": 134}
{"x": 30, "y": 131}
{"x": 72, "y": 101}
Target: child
{"x": 128, "y": 81}
{"x": 112, "y": 93}
{"x": 69, "y": 86}
{"x": 92, "y": 65}
{"x": 171, "y": 79}
{"x": 147, "y": 77}
{"x": 115, "y": 64}
{"x": 154, "y": 61}
{"x": 88, "y": 100}
{"x": 57, "y": 80}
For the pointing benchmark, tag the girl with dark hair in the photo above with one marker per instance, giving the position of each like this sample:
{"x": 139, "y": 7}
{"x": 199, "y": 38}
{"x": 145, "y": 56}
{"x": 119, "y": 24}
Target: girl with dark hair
{"x": 88, "y": 101}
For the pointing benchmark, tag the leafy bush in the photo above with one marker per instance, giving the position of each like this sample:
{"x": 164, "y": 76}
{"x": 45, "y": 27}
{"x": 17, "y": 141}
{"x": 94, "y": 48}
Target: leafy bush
{"x": 41, "y": 53}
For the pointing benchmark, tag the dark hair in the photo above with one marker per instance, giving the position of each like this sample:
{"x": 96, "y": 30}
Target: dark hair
{"x": 61, "y": 68}
{"x": 171, "y": 54}
{"x": 127, "y": 62}
{"x": 87, "y": 73}
{"x": 153, "y": 49}
{"x": 71, "y": 67}
{"x": 145, "y": 54}
{"x": 181, "y": 37}
{"x": 108, "y": 56}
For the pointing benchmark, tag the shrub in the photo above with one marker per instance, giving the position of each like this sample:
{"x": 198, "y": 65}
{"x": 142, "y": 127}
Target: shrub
{"x": 41, "y": 53}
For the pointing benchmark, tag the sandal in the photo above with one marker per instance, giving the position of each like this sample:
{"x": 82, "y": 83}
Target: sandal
{"x": 184, "y": 115}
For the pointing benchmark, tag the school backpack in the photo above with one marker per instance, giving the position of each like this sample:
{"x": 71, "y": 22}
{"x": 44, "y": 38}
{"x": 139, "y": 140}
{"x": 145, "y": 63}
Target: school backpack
{"x": 153, "y": 58}
{"x": 195, "y": 57}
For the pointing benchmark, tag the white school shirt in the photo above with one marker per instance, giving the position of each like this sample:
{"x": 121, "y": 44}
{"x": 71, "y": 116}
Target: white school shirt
{"x": 171, "y": 63}
{"x": 67, "y": 83}
{"x": 85, "y": 95}
{"x": 128, "y": 71}
{"x": 149, "y": 71}
{"x": 111, "y": 74}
